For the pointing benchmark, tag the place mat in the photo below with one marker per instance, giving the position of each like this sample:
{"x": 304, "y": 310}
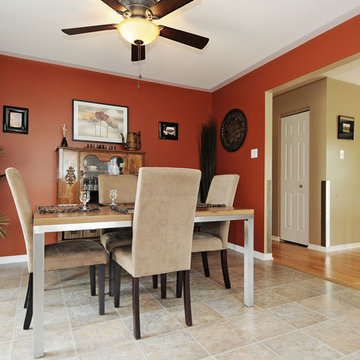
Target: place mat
{"x": 122, "y": 204}
{"x": 115, "y": 208}
{"x": 204, "y": 205}
{"x": 64, "y": 209}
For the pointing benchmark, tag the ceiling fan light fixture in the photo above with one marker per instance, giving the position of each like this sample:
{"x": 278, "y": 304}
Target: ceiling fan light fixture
{"x": 138, "y": 30}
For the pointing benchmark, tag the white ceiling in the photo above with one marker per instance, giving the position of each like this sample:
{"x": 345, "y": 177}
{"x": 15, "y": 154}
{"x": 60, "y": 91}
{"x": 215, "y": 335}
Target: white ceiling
{"x": 243, "y": 35}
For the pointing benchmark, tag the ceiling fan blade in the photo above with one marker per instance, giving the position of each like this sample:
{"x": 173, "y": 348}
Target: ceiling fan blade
{"x": 164, "y": 7}
{"x": 115, "y": 5}
{"x": 87, "y": 29}
{"x": 184, "y": 37}
{"x": 137, "y": 52}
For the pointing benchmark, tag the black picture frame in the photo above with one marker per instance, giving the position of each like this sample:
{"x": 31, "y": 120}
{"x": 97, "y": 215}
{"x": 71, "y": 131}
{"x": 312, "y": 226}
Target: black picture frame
{"x": 16, "y": 120}
{"x": 99, "y": 122}
{"x": 168, "y": 131}
{"x": 345, "y": 127}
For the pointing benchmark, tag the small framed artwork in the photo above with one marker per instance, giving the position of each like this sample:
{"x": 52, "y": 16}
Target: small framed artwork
{"x": 168, "y": 130}
{"x": 345, "y": 127}
{"x": 97, "y": 122}
{"x": 16, "y": 120}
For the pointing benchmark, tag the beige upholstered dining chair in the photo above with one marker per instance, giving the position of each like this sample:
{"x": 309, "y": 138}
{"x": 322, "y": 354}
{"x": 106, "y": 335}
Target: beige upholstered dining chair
{"x": 162, "y": 232}
{"x": 213, "y": 236}
{"x": 125, "y": 186}
{"x": 62, "y": 255}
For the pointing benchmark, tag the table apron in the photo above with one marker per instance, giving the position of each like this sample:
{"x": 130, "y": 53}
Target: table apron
{"x": 222, "y": 218}
{"x": 81, "y": 226}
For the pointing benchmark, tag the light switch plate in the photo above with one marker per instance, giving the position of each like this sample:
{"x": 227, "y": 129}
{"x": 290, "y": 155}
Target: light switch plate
{"x": 254, "y": 153}
{"x": 342, "y": 154}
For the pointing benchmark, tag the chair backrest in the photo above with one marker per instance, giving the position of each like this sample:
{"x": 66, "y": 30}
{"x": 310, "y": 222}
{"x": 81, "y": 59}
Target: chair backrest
{"x": 125, "y": 186}
{"x": 23, "y": 208}
{"x": 222, "y": 191}
{"x": 164, "y": 220}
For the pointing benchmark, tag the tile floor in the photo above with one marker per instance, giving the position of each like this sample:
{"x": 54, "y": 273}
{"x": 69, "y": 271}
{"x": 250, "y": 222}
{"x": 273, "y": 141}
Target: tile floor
{"x": 296, "y": 316}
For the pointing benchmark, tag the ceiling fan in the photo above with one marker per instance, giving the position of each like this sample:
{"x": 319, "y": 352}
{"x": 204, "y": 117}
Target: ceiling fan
{"x": 138, "y": 27}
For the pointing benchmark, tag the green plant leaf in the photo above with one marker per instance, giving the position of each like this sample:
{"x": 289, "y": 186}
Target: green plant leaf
{"x": 3, "y": 224}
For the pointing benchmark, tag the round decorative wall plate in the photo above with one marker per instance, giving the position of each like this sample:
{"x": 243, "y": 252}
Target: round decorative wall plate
{"x": 233, "y": 130}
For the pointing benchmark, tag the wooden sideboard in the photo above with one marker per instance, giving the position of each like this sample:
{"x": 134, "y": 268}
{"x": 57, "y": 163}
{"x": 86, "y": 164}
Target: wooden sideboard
{"x": 78, "y": 169}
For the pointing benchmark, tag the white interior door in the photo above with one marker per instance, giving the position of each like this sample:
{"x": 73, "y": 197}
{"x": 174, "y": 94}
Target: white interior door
{"x": 295, "y": 143}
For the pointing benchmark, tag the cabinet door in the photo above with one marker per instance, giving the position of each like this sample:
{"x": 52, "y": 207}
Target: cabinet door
{"x": 94, "y": 164}
{"x": 68, "y": 177}
{"x": 135, "y": 162}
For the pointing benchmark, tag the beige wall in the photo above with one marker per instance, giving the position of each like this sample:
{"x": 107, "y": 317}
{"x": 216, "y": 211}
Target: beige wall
{"x": 344, "y": 175}
{"x": 326, "y": 99}
{"x": 310, "y": 97}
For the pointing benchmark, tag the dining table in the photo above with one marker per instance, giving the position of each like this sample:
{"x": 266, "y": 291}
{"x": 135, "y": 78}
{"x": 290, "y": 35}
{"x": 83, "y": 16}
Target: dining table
{"x": 106, "y": 217}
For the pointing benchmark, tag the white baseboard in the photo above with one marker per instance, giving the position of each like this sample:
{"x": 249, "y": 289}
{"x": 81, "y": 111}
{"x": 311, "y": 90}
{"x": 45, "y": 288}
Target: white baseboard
{"x": 335, "y": 247}
{"x": 257, "y": 254}
{"x": 275, "y": 238}
{"x": 13, "y": 259}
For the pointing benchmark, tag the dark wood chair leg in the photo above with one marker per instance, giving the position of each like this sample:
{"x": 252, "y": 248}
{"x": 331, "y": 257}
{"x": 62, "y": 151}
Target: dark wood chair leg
{"x": 225, "y": 270}
{"x": 92, "y": 280}
{"x": 163, "y": 286}
{"x": 111, "y": 275}
{"x": 117, "y": 278}
{"x": 155, "y": 281}
{"x": 179, "y": 281}
{"x": 29, "y": 304}
{"x": 205, "y": 263}
{"x": 136, "y": 307}
{"x": 101, "y": 288}
{"x": 27, "y": 293}
{"x": 187, "y": 300}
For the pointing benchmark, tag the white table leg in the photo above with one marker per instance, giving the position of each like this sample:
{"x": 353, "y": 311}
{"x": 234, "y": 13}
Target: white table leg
{"x": 38, "y": 295}
{"x": 249, "y": 262}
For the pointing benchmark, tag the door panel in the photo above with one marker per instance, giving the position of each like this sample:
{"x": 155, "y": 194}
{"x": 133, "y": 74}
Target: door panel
{"x": 295, "y": 142}
{"x": 288, "y": 210}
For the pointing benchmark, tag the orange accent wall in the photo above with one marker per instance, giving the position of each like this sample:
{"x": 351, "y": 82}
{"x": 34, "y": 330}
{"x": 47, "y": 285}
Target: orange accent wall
{"x": 248, "y": 94}
{"x": 48, "y": 90}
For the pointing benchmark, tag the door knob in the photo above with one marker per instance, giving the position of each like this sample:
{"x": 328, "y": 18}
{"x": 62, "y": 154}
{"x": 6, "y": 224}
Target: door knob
{"x": 300, "y": 186}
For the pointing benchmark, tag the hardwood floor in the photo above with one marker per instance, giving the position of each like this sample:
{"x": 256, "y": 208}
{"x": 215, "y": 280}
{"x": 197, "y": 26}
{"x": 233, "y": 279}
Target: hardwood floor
{"x": 342, "y": 267}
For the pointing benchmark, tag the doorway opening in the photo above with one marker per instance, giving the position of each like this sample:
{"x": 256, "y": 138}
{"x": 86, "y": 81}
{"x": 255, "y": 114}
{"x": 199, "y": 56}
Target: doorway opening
{"x": 272, "y": 152}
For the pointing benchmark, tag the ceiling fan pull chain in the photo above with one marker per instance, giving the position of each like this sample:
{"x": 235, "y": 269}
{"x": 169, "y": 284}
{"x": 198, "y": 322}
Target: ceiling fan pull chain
{"x": 139, "y": 66}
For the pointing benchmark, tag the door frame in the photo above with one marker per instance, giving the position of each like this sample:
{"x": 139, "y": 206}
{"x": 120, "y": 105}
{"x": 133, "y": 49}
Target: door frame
{"x": 269, "y": 94}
